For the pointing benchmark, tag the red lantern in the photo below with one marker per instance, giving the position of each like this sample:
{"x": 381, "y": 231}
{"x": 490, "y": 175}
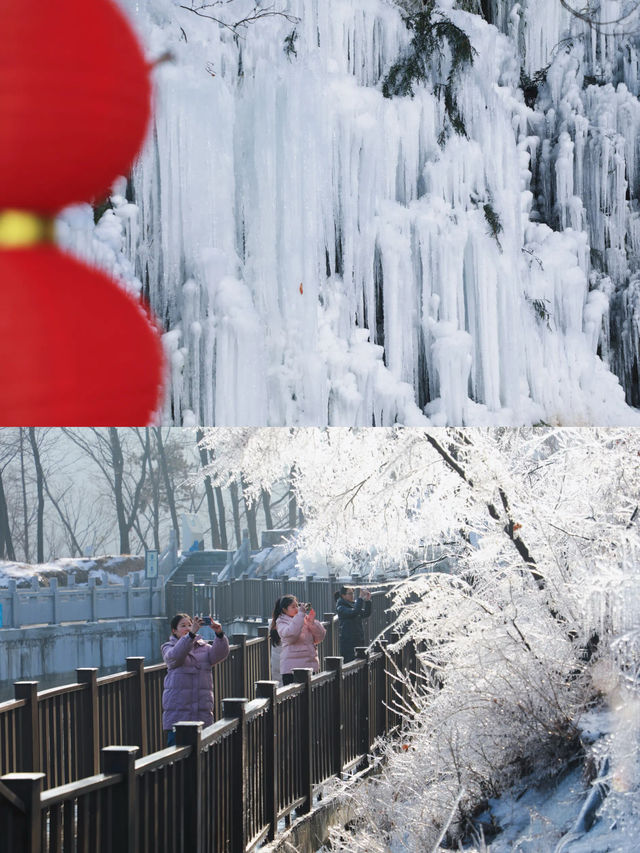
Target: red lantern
{"x": 75, "y": 103}
{"x": 74, "y": 348}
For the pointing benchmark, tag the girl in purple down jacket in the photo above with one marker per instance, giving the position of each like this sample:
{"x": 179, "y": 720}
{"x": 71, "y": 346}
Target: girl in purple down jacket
{"x": 188, "y": 685}
{"x": 299, "y": 632}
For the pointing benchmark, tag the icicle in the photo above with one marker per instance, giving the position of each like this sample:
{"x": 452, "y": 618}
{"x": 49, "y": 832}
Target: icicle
{"x": 322, "y": 254}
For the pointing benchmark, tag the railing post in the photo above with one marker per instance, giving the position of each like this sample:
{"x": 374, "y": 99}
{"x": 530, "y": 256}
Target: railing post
{"x": 138, "y": 705}
{"x": 236, "y": 709}
{"x": 30, "y": 745}
{"x": 413, "y": 663}
{"x": 122, "y": 759}
{"x": 267, "y": 690}
{"x": 331, "y": 632}
{"x": 303, "y": 676}
{"x": 28, "y": 788}
{"x": 53, "y": 594}
{"x": 90, "y": 739}
{"x": 190, "y": 734}
{"x": 191, "y": 595}
{"x": 406, "y": 669}
{"x": 128, "y": 592}
{"x": 363, "y": 701}
{"x": 384, "y": 704}
{"x": 267, "y": 606}
{"x": 243, "y": 587}
{"x": 161, "y": 586}
{"x": 241, "y": 640}
{"x": 92, "y": 599}
{"x": 395, "y": 668}
{"x": 334, "y": 664}
{"x": 264, "y": 632}
{"x": 215, "y": 606}
{"x": 15, "y": 605}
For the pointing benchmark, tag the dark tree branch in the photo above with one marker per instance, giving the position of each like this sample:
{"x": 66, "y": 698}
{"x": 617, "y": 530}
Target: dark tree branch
{"x": 510, "y": 527}
{"x": 588, "y": 17}
{"x": 255, "y": 15}
{"x": 56, "y": 505}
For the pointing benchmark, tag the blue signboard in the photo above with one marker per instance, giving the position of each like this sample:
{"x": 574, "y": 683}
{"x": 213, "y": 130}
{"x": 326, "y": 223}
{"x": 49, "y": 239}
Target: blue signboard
{"x": 151, "y": 564}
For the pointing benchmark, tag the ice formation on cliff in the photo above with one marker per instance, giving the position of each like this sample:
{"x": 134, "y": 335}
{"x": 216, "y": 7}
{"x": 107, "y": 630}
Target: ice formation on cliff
{"x": 318, "y": 255}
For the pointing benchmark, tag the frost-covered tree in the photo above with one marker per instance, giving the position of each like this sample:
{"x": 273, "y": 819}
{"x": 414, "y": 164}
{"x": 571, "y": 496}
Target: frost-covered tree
{"x": 542, "y": 598}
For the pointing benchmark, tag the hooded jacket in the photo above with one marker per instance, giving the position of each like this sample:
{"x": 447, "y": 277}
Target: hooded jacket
{"x": 350, "y": 616}
{"x": 298, "y": 642}
{"x": 188, "y": 685}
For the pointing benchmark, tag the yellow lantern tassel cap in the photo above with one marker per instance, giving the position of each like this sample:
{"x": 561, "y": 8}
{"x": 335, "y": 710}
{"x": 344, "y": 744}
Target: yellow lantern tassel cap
{"x": 20, "y": 229}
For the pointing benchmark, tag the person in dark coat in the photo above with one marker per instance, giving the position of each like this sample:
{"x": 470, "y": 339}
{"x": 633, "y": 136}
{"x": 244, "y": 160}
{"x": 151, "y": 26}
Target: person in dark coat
{"x": 350, "y": 616}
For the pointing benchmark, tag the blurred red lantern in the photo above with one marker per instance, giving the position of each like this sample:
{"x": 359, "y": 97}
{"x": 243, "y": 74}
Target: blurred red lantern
{"x": 74, "y": 100}
{"x": 81, "y": 352}
{"x": 75, "y": 104}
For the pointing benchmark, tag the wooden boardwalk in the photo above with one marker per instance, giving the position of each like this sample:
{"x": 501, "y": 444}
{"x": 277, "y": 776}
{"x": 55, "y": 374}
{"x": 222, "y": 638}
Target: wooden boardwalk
{"x": 84, "y": 768}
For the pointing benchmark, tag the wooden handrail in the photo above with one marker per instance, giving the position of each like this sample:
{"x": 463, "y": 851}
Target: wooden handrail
{"x": 54, "y": 796}
{"x": 159, "y": 759}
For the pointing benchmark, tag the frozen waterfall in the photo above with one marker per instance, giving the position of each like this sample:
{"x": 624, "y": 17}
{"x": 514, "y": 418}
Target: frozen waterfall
{"x": 319, "y": 254}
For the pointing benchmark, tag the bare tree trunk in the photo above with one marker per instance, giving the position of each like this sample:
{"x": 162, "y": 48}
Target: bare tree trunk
{"x": 168, "y": 485}
{"x": 222, "y": 515}
{"x": 293, "y": 506}
{"x": 266, "y": 506}
{"x": 105, "y": 447}
{"x": 235, "y": 507}
{"x": 117, "y": 461}
{"x": 141, "y": 534}
{"x": 40, "y": 489}
{"x": 154, "y": 479}
{"x": 25, "y": 512}
{"x": 75, "y": 546}
{"x": 6, "y": 542}
{"x": 208, "y": 488}
{"x": 252, "y": 524}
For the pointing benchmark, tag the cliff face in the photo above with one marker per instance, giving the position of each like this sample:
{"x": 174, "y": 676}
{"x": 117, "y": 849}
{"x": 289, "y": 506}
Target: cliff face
{"x": 322, "y": 254}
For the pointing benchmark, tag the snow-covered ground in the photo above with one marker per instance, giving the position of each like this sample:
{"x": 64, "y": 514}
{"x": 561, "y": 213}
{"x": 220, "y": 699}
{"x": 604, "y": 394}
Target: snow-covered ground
{"x": 539, "y": 819}
{"x": 106, "y": 569}
{"x": 537, "y": 815}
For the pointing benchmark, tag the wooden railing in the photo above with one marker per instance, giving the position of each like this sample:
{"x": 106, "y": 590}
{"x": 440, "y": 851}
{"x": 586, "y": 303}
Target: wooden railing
{"x": 221, "y": 789}
{"x": 61, "y": 731}
{"x": 253, "y": 598}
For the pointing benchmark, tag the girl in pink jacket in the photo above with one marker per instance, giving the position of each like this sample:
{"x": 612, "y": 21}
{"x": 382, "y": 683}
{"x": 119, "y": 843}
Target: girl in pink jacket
{"x": 296, "y": 628}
